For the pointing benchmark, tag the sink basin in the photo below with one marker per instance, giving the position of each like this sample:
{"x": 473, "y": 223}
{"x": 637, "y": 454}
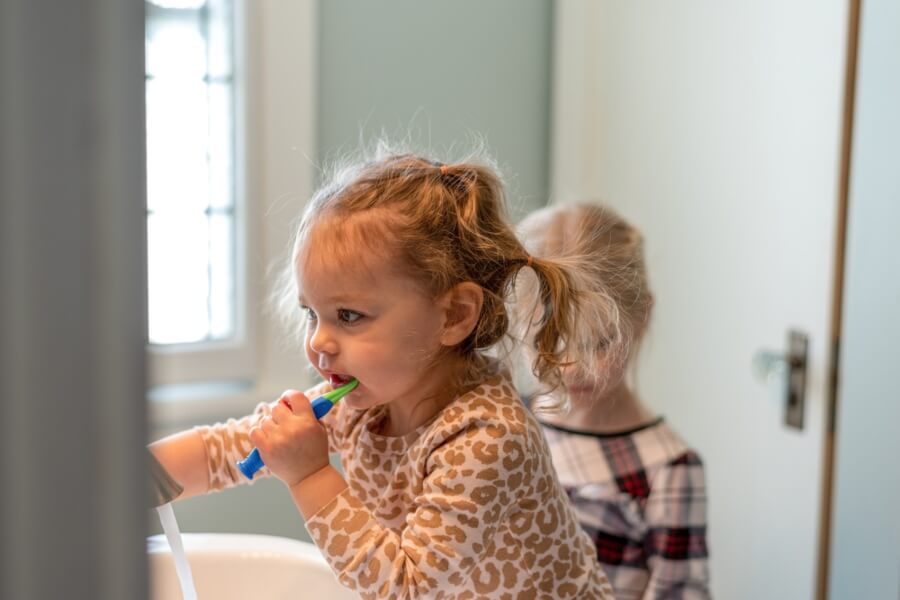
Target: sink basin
{"x": 231, "y": 565}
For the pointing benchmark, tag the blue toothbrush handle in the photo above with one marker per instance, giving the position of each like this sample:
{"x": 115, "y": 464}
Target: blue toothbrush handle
{"x": 254, "y": 462}
{"x": 321, "y": 406}
{"x": 251, "y": 464}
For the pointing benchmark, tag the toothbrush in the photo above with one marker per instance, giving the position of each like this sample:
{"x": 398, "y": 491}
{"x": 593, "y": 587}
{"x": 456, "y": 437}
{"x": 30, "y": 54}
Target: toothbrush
{"x": 321, "y": 405}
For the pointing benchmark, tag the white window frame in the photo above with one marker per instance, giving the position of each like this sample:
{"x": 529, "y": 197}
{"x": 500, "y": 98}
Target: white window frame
{"x": 274, "y": 87}
{"x": 231, "y": 359}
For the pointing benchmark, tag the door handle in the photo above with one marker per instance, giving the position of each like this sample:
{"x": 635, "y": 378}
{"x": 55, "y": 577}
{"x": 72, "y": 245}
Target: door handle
{"x": 789, "y": 370}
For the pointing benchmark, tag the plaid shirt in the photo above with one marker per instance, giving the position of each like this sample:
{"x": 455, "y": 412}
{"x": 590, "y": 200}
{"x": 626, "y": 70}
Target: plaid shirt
{"x": 641, "y": 496}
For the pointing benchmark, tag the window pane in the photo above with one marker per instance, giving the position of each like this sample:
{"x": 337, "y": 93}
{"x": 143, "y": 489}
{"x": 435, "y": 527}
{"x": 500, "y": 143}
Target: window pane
{"x": 177, "y": 145}
{"x": 178, "y": 269}
{"x": 220, "y": 35}
{"x": 190, "y": 171}
{"x": 178, "y": 3}
{"x": 222, "y": 284}
{"x": 175, "y": 44}
{"x": 221, "y": 146}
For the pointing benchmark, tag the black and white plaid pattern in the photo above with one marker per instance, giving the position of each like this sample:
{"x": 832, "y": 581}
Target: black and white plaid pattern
{"x": 641, "y": 495}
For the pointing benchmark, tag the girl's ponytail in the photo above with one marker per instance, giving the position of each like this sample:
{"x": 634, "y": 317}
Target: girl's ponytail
{"x": 574, "y": 320}
{"x": 587, "y": 304}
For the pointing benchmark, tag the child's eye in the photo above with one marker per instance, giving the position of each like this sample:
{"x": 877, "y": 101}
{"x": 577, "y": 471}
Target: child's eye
{"x": 347, "y": 316}
{"x": 310, "y": 313}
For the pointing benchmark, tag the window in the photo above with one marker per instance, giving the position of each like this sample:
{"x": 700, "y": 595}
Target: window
{"x": 197, "y": 324}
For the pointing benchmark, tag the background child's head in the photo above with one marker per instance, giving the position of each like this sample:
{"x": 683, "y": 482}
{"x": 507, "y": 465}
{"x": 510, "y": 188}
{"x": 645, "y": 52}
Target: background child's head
{"x": 612, "y": 251}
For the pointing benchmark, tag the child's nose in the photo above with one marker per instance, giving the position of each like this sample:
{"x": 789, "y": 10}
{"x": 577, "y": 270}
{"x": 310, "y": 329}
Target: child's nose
{"x": 322, "y": 341}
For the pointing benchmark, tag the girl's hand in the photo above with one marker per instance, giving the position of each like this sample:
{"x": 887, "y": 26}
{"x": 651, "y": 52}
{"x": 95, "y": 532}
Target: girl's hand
{"x": 292, "y": 443}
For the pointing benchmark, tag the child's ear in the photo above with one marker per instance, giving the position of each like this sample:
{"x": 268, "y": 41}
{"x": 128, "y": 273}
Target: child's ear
{"x": 462, "y": 306}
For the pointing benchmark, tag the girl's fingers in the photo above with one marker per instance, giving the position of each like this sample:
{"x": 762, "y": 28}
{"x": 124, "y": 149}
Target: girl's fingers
{"x": 267, "y": 424}
{"x": 285, "y": 397}
{"x": 281, "y": 412}
{"x": 296, "y": 401}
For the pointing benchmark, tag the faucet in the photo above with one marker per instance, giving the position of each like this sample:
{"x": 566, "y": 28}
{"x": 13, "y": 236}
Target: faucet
{"x": 165, "y": 488}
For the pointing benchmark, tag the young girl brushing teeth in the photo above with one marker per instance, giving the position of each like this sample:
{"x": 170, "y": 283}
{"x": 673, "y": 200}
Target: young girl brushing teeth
{"x": 402, "y": 267}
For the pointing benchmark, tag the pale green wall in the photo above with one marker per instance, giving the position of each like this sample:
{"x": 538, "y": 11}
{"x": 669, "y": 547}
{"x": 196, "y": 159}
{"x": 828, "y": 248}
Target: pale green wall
{"x": 440, "y": 71}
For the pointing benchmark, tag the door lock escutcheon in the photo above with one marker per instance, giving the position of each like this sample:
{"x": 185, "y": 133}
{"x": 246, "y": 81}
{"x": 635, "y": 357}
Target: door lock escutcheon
{"x": 789, "y": 370}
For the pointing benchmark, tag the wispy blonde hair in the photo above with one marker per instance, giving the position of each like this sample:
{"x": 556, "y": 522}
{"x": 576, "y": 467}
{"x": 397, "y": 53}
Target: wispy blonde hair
{"x": 445, "y": 224}
{"x": 600, "y": 245}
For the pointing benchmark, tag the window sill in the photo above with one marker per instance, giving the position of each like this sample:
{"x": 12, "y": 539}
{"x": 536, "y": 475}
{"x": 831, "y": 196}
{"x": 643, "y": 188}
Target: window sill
{"x": 181, "y": 406}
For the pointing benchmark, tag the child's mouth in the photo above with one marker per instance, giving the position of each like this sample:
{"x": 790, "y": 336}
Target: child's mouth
{"x": 336, "y": 380}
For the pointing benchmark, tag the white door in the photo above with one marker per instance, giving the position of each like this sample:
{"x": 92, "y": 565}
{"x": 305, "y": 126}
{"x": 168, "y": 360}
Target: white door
{"x": 716, "y": 128}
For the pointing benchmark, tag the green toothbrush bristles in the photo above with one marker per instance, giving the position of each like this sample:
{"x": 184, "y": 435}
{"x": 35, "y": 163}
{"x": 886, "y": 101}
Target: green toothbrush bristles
{"x": 337, "y": 394}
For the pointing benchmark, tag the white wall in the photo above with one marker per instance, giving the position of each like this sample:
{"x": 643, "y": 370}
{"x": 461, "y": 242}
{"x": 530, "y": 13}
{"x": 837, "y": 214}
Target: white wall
{"x": 865, "y": 560}
{"x": 715, "y": 128}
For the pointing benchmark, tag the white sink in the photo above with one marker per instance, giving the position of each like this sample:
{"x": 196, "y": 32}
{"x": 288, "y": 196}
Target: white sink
{"x": 231, "y": 565}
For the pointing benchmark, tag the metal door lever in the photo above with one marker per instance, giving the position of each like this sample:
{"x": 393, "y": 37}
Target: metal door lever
{"x": 789, "y": 368}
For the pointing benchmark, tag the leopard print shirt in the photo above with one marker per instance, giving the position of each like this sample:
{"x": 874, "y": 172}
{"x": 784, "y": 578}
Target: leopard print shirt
{"x": 466, "y": 506}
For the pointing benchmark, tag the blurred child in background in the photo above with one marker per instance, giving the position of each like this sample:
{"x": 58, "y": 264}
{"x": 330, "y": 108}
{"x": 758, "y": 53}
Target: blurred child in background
{"x": 638, "y": 489}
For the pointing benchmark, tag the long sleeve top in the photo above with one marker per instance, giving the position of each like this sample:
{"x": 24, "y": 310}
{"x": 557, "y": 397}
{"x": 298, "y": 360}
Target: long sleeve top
{"x": 641, "y": 496}
{"x": 466, "y": 506}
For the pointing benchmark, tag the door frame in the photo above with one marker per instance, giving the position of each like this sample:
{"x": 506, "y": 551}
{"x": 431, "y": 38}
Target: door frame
{"x": 837, "y": 300}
